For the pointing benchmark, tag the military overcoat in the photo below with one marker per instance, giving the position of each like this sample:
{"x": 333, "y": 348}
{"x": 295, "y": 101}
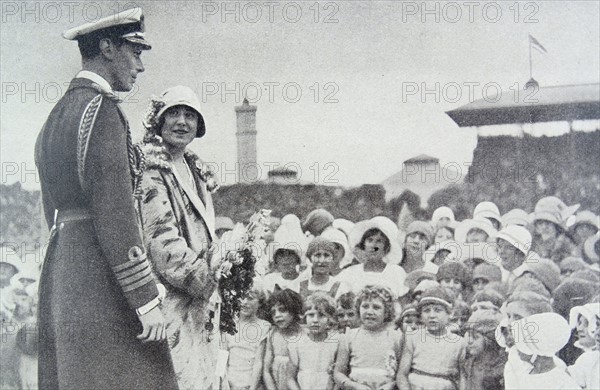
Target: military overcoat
{"x": 95, "y": 272}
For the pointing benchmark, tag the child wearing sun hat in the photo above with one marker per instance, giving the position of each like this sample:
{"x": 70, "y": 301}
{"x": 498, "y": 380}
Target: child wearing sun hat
{"x": 442, "y": 217}
{"x": 490, "y": 211}
{"x": 419, "y": 236}
{"x": 572, "y": 264}
{"x": 540, "y": 337}
{"x": 550, "y": 240}
{"x": 475, "y": 230}
{"x": 485, "y": 273}
{"x": 544, "y": 270}
{"x": 456, "y": 278}
{"x": 586, "y": 370}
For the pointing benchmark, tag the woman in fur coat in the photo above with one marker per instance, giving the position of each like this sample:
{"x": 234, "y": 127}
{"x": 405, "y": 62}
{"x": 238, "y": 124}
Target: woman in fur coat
{"x": 178, "y": 218}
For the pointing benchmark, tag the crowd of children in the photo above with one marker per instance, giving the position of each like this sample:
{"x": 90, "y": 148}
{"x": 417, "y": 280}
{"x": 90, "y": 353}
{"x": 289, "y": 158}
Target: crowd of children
{"x": 492, "y": 302}
{"x": 18, "y": 309}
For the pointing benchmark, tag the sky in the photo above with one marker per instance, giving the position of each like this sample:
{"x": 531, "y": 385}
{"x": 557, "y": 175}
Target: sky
{"x": 340, "y": 86}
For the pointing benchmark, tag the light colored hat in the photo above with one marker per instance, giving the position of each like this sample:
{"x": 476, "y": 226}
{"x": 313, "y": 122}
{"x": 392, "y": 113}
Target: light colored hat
{"x": 435, "y": 295}
{"x": 344, "y": 225}
{"x": 541, "y": 334}
{"x": 484, "y": 322}
{"x": 414, "y": 278}
{"x": 573, "y": 264}
{"x": 180, "y": 95}
{"x": 224, "y": 223}
{"x": 487, "y": 210}
{"x": 554, "y": 210}
{"x": 517, "y": 236}
{"x": 585, "y": 217}
{"x": 128, "y": 24}
{"x": 488, "y": 272}
{"x": 289, "y": 235}
{"x": 589, "y": 312}
{"x": 486, "y": 251}
{"x": 408, "y": 310}
{"x": 463, "y": 228}
{"x": 426, "y": 284}
{"x": 516, "y": 217}
{"x": 317, "y": 221}
{"x": 546, "y": 271}
{"x": 456, "y": 271}
{"x": 338, "y": 237}
{"x": 387, "y": 227}
{"x": 290, "y": 220}
{"x": 452, "y": 246}
{"x": 442, "y": 212}
{"x": 420, "y": 227}
{"x": 591, "y": 248}
{"x": 320, "y": 243}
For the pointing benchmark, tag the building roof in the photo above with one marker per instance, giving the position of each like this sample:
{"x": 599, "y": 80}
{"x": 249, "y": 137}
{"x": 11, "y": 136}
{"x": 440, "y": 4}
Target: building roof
{"x": 421, "y": 158}
{"x": 282, "y": 171}
{"x": 545, "y": 104}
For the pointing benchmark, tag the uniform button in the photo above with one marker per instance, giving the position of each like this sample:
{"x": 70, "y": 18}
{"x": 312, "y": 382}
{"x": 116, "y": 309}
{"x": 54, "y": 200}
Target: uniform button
{"x": 62, "y": 226}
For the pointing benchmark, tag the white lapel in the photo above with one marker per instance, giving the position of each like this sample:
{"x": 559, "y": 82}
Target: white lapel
{"x": 206, "y": 212}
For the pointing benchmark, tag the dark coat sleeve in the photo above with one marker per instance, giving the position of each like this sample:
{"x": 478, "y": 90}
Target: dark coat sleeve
{"x": 109, "y": 185}
{"x": 47, "y": 202}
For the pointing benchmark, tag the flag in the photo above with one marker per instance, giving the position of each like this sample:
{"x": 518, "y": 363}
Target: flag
{"x": 536, "y": 45}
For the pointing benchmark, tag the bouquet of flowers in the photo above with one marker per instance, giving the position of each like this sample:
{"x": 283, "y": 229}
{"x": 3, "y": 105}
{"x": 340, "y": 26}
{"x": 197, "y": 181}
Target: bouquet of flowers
{"x": 239, "y": 249}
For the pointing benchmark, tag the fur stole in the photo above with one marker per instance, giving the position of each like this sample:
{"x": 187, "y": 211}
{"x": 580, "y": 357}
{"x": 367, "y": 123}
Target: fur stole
{"x": 157, "y": 156}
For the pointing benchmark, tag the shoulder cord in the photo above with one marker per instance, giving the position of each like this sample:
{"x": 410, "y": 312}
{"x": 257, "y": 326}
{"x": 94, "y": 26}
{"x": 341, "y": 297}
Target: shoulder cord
{"x": 137, "y": 164}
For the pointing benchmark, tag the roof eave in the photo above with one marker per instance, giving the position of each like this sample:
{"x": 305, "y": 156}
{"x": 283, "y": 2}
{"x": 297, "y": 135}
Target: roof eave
{"x": 525, "y": 114}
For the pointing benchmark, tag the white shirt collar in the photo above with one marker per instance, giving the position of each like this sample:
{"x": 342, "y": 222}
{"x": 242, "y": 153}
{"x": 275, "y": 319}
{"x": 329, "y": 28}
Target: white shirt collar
{"x": 510, "y": 276}
{"x": 519, "y": 270}
{"x": 96, "y": 78}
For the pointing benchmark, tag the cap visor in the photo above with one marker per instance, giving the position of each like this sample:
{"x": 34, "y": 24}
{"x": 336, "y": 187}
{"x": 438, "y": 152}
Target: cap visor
{"x": 139, "y": 41}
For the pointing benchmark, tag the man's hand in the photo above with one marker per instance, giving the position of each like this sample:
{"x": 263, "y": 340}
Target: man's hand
{"x": 153, "y": 324}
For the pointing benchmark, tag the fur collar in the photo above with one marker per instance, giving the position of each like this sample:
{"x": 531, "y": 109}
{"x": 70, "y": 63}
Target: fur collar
{"x": 158, "y": 157}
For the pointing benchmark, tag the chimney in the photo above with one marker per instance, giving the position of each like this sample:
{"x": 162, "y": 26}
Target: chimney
{"x": 247, "y": 168}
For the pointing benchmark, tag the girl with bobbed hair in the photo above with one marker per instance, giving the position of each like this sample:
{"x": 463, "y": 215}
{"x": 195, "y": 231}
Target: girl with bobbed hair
{"x": 368, "y": 356}
{"x": 286, "y": 308}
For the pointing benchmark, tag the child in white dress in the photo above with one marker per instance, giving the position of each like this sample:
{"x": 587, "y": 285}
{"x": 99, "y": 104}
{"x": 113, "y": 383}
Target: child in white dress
{"x": 313, "y": 356}
{"x": 368, "y": 356}
{"x": 247, "y": 347}
{"x": 286, "y": 313}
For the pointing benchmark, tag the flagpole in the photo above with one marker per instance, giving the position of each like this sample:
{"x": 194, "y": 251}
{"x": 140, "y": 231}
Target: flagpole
{"x": 530, "y": 63}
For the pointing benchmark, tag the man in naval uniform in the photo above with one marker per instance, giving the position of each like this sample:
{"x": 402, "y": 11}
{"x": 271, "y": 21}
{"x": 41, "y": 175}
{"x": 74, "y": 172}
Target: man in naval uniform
{"x": 100, "y": 326}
